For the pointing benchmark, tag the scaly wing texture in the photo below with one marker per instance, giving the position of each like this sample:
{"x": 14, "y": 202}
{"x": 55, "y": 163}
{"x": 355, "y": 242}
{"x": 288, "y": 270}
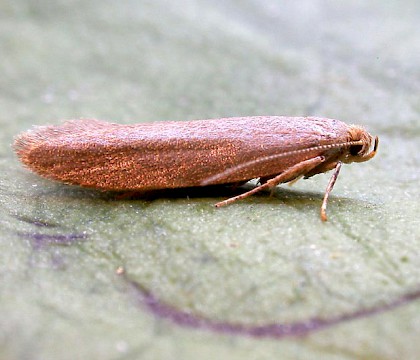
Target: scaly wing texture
{"x": 98, "y": 154}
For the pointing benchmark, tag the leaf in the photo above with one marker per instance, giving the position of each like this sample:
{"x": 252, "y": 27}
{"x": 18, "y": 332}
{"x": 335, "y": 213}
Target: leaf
{"x": 86, "y": 275}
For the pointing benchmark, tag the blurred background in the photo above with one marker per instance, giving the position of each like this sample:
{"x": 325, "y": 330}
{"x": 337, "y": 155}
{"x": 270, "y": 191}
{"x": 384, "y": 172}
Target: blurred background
{"x": 265, "y": 260}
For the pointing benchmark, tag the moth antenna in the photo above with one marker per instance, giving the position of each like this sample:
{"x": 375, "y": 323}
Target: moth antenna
{"x": 232, "y": 170}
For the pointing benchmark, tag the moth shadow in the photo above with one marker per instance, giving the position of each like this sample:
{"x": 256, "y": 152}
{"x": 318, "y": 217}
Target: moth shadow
{"x": 216, "y": 192}
{"x": 212, "y": 191}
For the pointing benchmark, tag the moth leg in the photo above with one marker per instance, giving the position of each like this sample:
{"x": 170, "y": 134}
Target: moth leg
{"x": 263, "y": 180}
{"x": 287, "y": 175}
{"x": 295, "y": 180}
{"x": 328, "y": 190}
{"x": 290, "y": 183}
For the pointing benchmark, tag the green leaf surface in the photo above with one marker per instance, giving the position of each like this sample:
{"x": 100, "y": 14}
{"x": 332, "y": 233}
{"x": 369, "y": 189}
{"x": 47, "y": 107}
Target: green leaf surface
{"x": 88, "y": 276}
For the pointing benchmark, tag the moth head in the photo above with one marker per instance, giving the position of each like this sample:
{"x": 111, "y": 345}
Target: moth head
{"x": 359, "y": 145}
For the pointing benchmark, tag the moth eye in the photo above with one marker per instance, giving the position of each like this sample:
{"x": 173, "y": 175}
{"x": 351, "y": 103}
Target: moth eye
{"x": 355, "y": 149}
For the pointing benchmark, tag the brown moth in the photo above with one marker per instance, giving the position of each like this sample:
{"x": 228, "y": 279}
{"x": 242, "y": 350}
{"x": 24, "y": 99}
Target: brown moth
{"x": 161, "y": 155}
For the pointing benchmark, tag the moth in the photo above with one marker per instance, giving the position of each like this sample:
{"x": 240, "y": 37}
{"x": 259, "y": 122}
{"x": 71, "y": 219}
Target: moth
{"x": 179, "y": 154}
